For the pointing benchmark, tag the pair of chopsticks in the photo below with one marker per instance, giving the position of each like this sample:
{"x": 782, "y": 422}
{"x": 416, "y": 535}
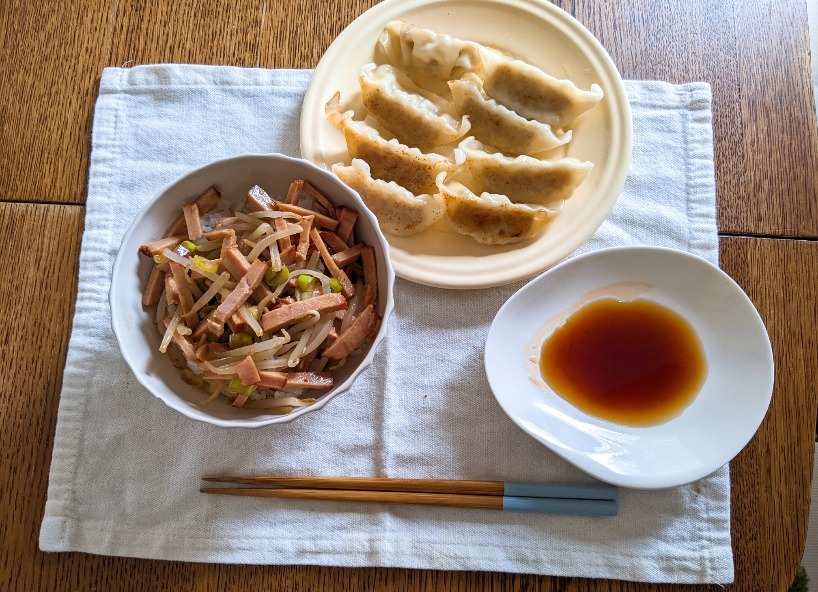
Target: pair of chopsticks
{"x": 577, "y": 499}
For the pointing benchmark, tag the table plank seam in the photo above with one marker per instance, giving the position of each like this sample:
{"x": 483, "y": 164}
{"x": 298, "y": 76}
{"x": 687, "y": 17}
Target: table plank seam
{"x": 767, "y": 236}
{"x": 39, "y": 203}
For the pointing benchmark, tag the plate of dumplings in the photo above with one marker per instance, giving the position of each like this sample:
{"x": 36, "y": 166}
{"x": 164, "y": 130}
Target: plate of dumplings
{"x": 490, "y": 138}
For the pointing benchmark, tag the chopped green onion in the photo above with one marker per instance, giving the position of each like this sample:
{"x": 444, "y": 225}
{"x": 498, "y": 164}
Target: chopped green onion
{"x": 191, "y": 378}
{"x": 335, "y": 285}
{"x": 276, "y": 278}
{"x": 238, "y": 340}
{"x": 212, "y": 338}
{"x": 237, "y": 386}
{"x": 305, "y": 283}
{"x": 205, "y": 264}
{"x": 189, "y": 246}
{"x": 159, "y": 259}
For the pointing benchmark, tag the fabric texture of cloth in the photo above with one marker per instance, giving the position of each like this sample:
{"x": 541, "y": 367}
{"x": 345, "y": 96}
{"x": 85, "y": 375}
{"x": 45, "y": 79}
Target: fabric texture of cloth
{"x": 126, "y": 469}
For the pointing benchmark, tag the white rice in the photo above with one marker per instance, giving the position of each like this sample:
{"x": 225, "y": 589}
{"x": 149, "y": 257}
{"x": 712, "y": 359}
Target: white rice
{"x": 224, "y": 209}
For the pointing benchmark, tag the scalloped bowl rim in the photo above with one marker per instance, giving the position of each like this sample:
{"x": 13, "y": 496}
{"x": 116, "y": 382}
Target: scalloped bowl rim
{"x": 173, "y": 400}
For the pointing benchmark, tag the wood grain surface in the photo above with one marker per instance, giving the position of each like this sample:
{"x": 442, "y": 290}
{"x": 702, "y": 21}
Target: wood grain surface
{"x": 771, "y": 477}
{"x": 754, "y": 53}
{"x": 51, "y": 58}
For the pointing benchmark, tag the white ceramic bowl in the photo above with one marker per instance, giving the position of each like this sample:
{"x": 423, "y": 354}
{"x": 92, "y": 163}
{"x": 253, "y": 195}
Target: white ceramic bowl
{"x": 543, "y": 35}
{"x": 137, "y": 335}
{"x": 706, "y": 435}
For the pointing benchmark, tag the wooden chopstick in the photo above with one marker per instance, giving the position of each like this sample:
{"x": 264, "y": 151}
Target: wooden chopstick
{"x": 593, "y": 491}
{"x": 576, "y": 507}
{"x": 579, "y": 499}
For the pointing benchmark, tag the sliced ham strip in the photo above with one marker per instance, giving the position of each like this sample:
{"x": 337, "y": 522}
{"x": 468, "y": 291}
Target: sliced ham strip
{"x": 185, "y": 345}
{"x": 177, "y": 227}
{"x": 370, "y": 294}
{"x": 246, "y": 369}
{"x": 205, "y": 202}
{"x": 209, "y": 349}
{"x": 320, "y": 219}
{"x": 231, "y": 304}
{"x": 306, "y": 361}
{"x": 171, "y": 293}
{"x": 304, "y": 238}
{"x": 373, "y": 333}
{"x": 228, "y": 242}
{"x": 346, "y": 222}
{"x": 221, "y": 234}
{"x": 353, "y": 336}
{"x": 346, "y": 257}
{"x": 154, "y": 287}
{"x": 348, "y": 289}
{"x": 370, "y": 270}
{"x": 234, "y": 262}
{"x": 283, "y": 315}
{"x": 292, "y": 192}
{"x": 156, "y": 247}
{"x": 310, "y": 380}
{"x": 182, "y": 288}
{"x": 284, "y": 243}
{"x": 241, "y": 292}
{"x": 203, "y": 353}
{"x": 301, "y": 185}
{"x": 263, "y": 292}
{"x": 333, "y": 241}
{"x": 370, "y": 274}
{"x": 256, "y": 273}
{"x": 319, "y": 197}
{"x": 240, "y": 400}
{"x": 229, "y": 221}
{"x": 332, "y": 335}
{"x": 289, "y": 256}
{"x": 237, "y": 323}
{"x": 191, "y": 320}
{"x": 257, "y": 200}
{"x": 272, "y": 380}
{"x": 192, "y": 221}
{"x": 208, "y": 325}
{"x": 177, "y": 358}
{"x": 208, "y": 200}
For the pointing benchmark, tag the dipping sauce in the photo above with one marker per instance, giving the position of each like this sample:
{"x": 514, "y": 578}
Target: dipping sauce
{"x": 635, "y": 363}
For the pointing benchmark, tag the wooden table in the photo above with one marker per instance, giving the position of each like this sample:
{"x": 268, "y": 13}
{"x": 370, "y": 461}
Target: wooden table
{"x": 754, "y": 53}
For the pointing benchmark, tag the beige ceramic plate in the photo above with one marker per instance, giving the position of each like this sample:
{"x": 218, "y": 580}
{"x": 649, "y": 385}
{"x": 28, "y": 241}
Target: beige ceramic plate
{"x": 544, "y": 36}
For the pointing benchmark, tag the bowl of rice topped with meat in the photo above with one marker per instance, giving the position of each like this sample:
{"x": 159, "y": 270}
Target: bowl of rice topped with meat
{"x": 251, "y": 291}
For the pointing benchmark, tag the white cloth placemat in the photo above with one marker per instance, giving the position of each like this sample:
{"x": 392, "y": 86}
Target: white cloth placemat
{"x": 126, "y": 469}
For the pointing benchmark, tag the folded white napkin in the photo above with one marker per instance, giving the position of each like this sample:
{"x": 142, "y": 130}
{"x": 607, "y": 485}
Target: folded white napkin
{"x": 126, "y": 470}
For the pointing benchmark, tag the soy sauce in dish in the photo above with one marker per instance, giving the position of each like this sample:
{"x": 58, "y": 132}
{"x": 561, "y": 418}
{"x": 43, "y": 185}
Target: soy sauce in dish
{"x": 636, "y": 363}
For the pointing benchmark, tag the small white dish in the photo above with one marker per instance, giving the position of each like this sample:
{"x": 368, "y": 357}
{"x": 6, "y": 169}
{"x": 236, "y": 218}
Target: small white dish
{"x": 136, "y": 333}
{"x": 706, "y": 435}
{"x": 543, "y": 35}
